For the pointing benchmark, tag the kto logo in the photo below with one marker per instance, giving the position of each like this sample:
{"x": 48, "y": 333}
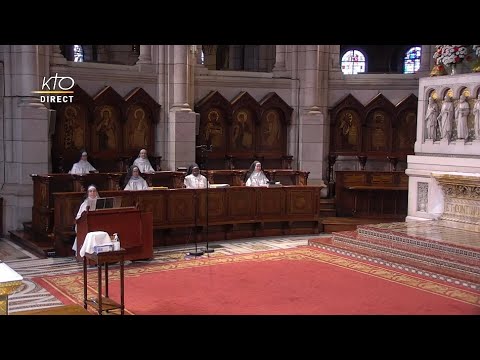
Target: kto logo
{"x": 58, "y": 85}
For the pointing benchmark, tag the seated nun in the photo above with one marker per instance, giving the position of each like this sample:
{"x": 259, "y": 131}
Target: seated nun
{"x": 255, "y": 175}
{"x": 83, "y": 166}
{"x": 134, "y": 181}
{"x": 195, "y": 180}
{"x": 143, "y": 163}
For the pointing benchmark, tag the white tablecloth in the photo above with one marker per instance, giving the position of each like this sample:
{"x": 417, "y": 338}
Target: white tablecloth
{"x": 94, "y": 238}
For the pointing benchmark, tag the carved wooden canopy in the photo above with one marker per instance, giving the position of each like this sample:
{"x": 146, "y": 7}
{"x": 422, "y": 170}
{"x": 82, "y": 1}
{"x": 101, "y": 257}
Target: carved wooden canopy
{"x": 378, "y": 128}
{"x": 107, "y": 126}
{"x": 243, "y": 128}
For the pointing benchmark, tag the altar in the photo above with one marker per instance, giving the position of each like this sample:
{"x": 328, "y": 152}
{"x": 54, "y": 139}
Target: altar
{"x": 10, "y": 281}
{"x": 444, "y": 173}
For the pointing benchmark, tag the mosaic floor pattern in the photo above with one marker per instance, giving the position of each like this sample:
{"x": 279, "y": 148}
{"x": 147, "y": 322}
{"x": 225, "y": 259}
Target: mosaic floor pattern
{"x": 440, "y": 231}
{"x": 31, "y": 296}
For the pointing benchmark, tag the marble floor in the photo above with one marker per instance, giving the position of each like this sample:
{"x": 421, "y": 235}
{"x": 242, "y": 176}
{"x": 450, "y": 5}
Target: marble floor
{"x": 440, "y": 230}
{"x": 31, "y": 296}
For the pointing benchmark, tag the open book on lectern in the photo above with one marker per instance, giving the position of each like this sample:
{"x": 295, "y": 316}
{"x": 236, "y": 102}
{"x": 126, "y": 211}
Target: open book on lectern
{"x": 105, "y": 203}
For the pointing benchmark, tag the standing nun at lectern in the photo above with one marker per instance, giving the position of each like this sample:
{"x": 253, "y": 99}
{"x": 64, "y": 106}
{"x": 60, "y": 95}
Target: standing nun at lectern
{"x": 92, "y": 194}
{"x": 255, "y": 175}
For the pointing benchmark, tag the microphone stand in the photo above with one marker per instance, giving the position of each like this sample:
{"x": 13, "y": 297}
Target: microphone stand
{"x": 197, "y": 252}
{"x": 205, "y": 150}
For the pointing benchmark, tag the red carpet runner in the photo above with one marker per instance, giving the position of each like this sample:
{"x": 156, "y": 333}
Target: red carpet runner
{"x": 298, "y": 281}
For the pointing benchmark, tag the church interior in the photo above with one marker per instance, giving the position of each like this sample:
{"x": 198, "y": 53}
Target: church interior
{"x": 370, "y": 163}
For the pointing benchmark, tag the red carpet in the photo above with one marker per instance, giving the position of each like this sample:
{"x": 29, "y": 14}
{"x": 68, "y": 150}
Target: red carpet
{"x": 297, "y": 281}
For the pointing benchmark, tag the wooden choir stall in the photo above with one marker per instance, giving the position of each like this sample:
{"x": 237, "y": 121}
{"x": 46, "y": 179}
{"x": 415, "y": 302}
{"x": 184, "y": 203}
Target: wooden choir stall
{"x": 369, "y": 145}
{"x": 179, "y": 215}
{"x": 134, "y": 228}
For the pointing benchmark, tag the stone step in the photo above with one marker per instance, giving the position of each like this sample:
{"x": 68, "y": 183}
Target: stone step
{"x": 427, "y": 267}
{"x": 25, "y": 240}
{"x": 334, "y": 223}
{"x": 327, "y": 203}
{"x": 449, "y": 243}
{"x": 27, "y": 227}
{"x": 428, "y": 261}
{"x": 328, "y": 212}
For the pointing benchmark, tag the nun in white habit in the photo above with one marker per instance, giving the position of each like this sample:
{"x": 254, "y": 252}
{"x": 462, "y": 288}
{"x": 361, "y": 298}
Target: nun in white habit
{"x": 83, "y": 166}
{"x": 255, "y": 175}
{"x": 143, "y": 163}
{"x": 134, "y": 181}
{"x": 195, "y": 180}
{"x": 92, "y": 194}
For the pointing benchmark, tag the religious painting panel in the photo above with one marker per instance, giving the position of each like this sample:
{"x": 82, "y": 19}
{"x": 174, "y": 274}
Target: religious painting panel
{"x": 71, "y": 134}
{"x": 348, "y": 131}
{"x": 213, "y": 129}
{"x": 138, "y": 130}
{"x": 72, "y": 126}
{"x": 107, "y": 129}
{"x": 377, "y": 134}
{"x": 71, "y": 130}
{"x": 404, "y": 135}
{"x": 271, "y": 132}
{"x": 242, "y": 131}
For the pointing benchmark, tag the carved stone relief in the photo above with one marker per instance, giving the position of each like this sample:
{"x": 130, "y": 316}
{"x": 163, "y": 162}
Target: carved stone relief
{"x": 422, "y": 196}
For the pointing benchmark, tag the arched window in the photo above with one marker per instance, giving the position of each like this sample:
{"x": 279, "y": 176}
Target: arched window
{"x": 411, "y": 61}
{"x": 202, "y": 57}
{"x": 77, "y": 53}
{"x": 353, "y": 62}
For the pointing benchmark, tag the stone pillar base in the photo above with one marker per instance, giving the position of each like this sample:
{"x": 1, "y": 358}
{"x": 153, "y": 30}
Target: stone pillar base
{"x": 180, "y": 149}
{"x": 313, "y": 148}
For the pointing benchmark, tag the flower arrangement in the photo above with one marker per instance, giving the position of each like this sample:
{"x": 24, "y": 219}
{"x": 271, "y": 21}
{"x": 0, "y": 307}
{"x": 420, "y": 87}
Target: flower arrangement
{"x": 476, "y": 50}
{"x": 450, "y": 54}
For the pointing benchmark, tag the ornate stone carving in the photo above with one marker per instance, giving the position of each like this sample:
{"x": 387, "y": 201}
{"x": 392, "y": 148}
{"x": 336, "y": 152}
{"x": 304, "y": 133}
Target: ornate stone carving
{"x": 422, "y": 196}
{"x": 462, "y": 197}
{"x": 462, "y": 191}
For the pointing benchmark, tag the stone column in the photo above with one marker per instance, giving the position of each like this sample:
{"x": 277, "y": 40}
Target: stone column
{"x": 426, "y": 60}
{"x": 145, "y": 54}
{"x": 232, "y": 57}
{"x": 25, "y": 127}
{"x": 180, "y": 54}
{"x": 237, "y": 57}
{"x": 279, "y": 66}
{"x": 311, "y": 78}
{"x": 102, "y": 53}
{"x": 263, "y": 58}
{"x": 335, "y": 71}
{"x": 24, "y": 69}
{"x": 57, "y": 57}
{"x": 210, "y": 53}
{"x": 181, "y": 119}
{"x": 312, "y": 135}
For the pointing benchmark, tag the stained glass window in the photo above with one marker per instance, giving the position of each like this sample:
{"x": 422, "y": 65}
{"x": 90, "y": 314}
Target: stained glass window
{"x": 411, "y": 61}
{"x": 202, "y": 57}
{"x": 353, "y": 62}
{"x": 77, "y": 53}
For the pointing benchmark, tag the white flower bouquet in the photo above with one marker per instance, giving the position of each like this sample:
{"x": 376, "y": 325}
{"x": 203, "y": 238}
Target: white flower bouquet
{"x": 450, "y": 54}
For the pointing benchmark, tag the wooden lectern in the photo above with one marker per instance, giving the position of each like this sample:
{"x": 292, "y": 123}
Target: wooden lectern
{"x": 134, "y": 229}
